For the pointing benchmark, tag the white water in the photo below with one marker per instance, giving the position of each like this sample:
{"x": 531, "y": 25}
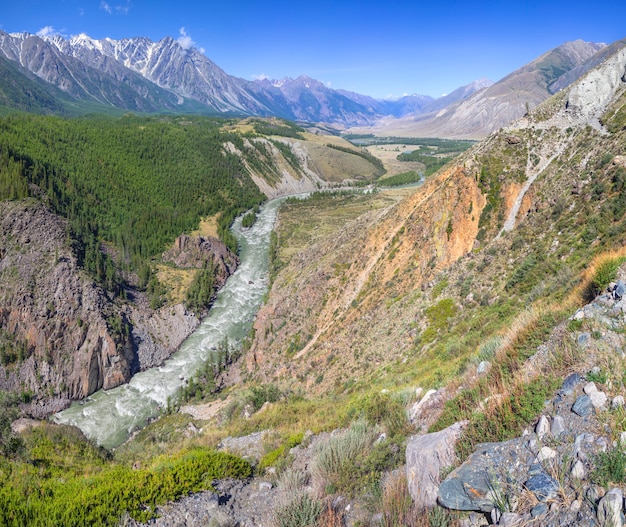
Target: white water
{"x": 109, "y": 417}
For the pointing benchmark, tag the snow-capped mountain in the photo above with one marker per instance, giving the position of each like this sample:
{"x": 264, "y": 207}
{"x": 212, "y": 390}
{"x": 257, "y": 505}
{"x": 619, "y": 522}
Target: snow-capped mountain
{"x": 141, "y": 75}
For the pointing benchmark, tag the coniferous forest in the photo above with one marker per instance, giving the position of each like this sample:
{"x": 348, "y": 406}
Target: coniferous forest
{"x": 129, "y": 184}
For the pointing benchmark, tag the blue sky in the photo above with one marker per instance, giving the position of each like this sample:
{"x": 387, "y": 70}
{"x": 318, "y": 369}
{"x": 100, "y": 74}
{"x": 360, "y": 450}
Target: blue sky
{"x": 377, "y": 48}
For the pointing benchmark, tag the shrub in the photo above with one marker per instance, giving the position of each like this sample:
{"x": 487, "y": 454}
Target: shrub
{"x": 259, "y": 395}
{"x": 600, "y": 272}
{"x": 398, "y": 507}
{"x": 507, "y": 419}
{"x": 382, "y": 409}
{"x": 292, "y": 480}
{"x": 10, "y": 443}
{"x": 340, "y": 449}
{"x": 604, "y": 274}
{"x": 609, "y": 467}
{"x": 278, "y": 454}
{"x": 50, "y": 493}
{"x": 335, "y": 459}
{"x": 488, "y": 350}
{"x": 301, "y": 511}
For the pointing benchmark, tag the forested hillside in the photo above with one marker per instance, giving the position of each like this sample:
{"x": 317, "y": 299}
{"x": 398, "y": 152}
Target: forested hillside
{"x": 132, "y": 184}
{"x": 107, "y": 260}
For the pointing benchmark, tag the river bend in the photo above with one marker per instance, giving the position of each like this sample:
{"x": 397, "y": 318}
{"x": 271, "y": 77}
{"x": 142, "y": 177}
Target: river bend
{"x": 109, "y": 417}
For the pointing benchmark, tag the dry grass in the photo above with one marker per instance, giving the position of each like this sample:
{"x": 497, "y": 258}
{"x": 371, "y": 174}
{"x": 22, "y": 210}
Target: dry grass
{"x": 176, "y": 281}
{"x": 208, "y": 227}
{"x": 324, "y": 218}
{"x": 332, "y": 516}
{"x": 400, "y": 511}
{"x": 388, "y": 155}
{"x": 580, "y": 294}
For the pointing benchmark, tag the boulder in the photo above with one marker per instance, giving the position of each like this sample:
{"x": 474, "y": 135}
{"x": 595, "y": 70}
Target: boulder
{"x": 483, "y": 367}
{"x": 598, "y": 398}
{"x": 543, "y": 486}
{"x": 557, "y": 427}
{"x": 617, "y": 402}
{"x": 510, "y": 519}
{"x": 610, "y": 509}
{"x": 578, "y": 470}
{"x": 570, "y": 383}
{"x": 470, "y": 487}
{"x": 539, "y": 510}
{"x": 416, "y": 409}
{"x": 426, "y": 456}
{"x": 543, "y": 427}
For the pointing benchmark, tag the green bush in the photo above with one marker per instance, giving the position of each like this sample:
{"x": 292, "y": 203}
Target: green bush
{"x": 273, "y": 457}
{"x": 382, "y": 409}
{"x": 609, "y": 467}
{"x": 50, "y": 492}
{"x": 604, "y": 274}
{"x": 508, "y": 419}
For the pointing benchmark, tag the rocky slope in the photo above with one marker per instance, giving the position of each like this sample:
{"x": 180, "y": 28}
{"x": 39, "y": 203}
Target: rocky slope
{"x": 553, "y": 473}
{"x": 381, "y": 276}
{"x": 550, "y": 475}
{"x": 64, "y": 337}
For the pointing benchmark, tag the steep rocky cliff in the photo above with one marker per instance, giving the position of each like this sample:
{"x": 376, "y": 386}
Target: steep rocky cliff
{"x": 62, "y": 336}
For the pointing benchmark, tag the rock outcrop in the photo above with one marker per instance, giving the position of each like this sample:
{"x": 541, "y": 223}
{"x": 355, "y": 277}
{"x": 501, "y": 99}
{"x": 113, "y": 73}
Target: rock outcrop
{"x": 554, "y": 462}
{"x": 427, "y": 456}
{"x": 195, "y": 251}
{"x": 62, "y": 336}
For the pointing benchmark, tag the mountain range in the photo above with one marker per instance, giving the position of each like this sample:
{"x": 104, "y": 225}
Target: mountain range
{"x": 82, "y": 74}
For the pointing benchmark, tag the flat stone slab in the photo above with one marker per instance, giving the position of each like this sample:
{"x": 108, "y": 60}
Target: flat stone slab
{"x": 471, "y": 486}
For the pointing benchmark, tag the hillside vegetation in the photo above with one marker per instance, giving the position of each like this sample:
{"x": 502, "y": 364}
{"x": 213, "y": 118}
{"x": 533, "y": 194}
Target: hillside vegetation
{"x": 376, "y": 299}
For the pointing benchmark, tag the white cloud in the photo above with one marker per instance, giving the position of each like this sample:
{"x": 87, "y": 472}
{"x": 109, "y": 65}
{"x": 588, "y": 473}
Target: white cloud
{"x": 118, "y": 9}
{"x": 186, "y": 42}
{"x": 259, "y": 77}
{"x": 47, "y": 31}
{"x": 328, "y": 84}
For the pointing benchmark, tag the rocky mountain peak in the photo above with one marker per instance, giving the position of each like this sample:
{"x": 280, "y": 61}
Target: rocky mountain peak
{"x": 581, "y": 50}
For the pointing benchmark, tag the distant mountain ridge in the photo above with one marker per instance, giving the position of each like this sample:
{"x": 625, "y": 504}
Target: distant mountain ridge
{"x": 497, "y": 105}
{"x": 138, "y": 74}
